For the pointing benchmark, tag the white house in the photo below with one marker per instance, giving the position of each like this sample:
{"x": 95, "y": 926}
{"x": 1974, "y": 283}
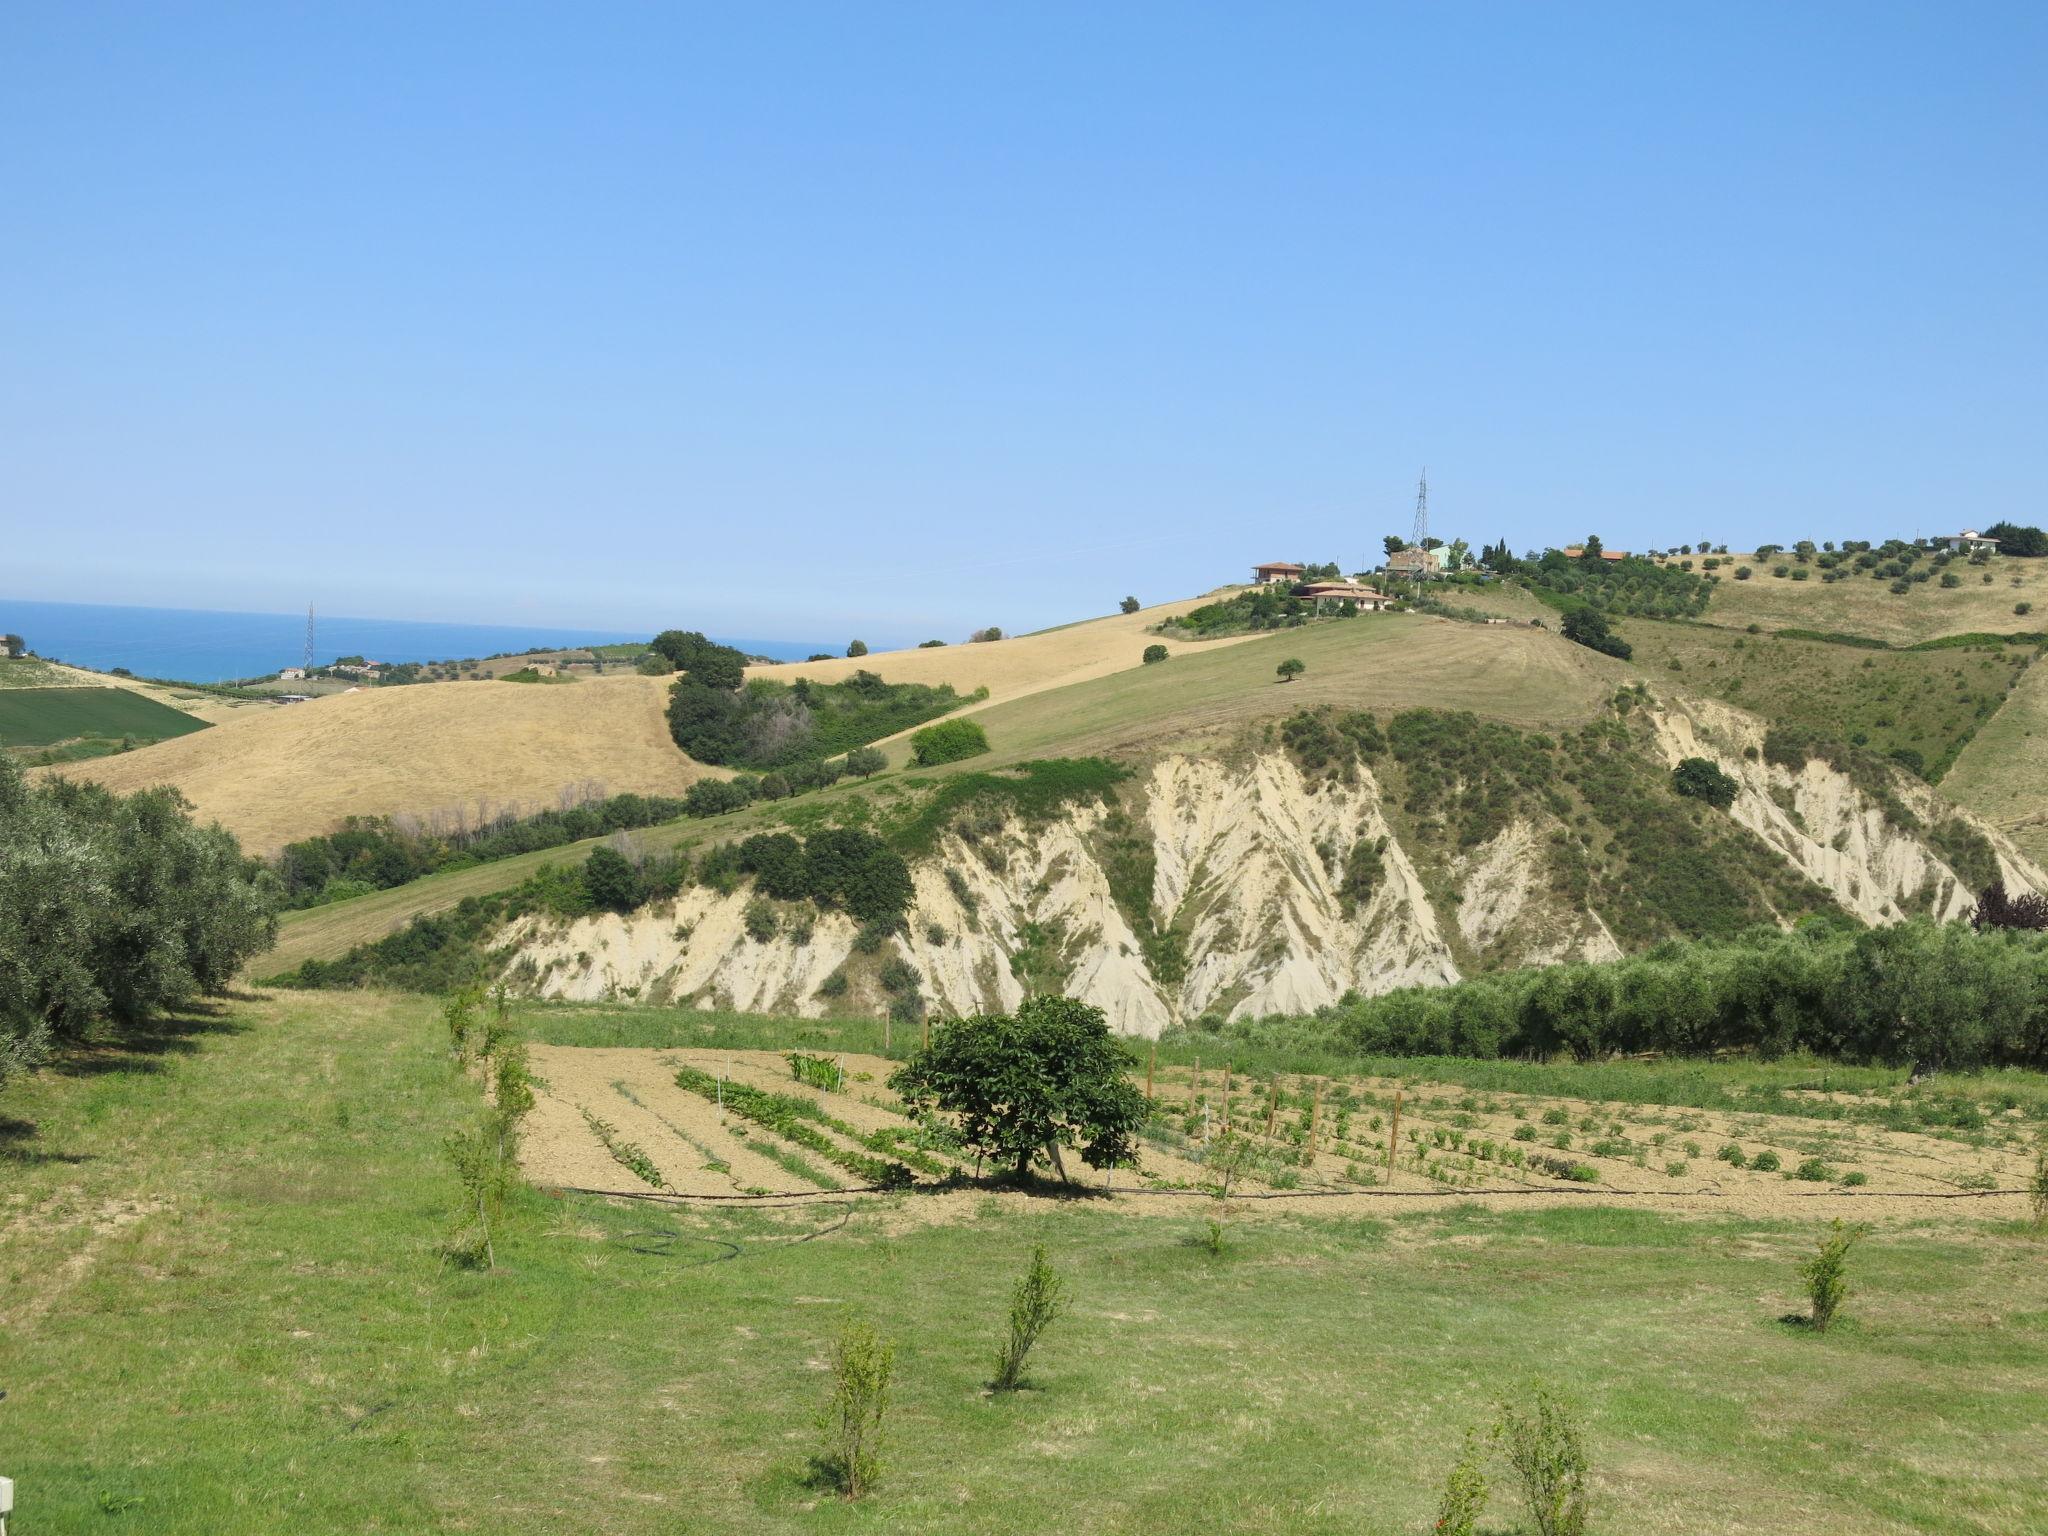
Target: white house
{"x": 1969, "y": 540}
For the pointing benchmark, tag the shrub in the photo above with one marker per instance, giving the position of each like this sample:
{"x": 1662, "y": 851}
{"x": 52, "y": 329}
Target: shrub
{"x": 1826, "y": 1274}
{"x": 1732, "y": 1155}
{"x": 1154, "y": 654}
{"x": 1035, "y": 1304}
{"x": 1291, "y": 668}
{"x": 1700, "y": 778}
{"x": 761, "y": 921}
{"x": 1765, "y": 1162}
{"x": 857, "y": 648}
{"x": 1813, "y": 1171}
{"x": 984, "y": 636}
{"x": 1545, "y": 1447}
{"x": 866, "y": 762}
{"x": 948, "y": 742}
{"x": 1743, "y": 573}
{"x": 2022, "y": 608}
{"x": 851, "y": 1424}
{"x": 1465, "y": 1490}
{"x": 1129, "y": 605}
{"x": 2037, "y": 1186}
{"x": 1855, "y": 1178}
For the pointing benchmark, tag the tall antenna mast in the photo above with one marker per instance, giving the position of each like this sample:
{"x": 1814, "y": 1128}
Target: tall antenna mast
{"x": 309, "y": 637}
{"x": 1421, "y": 511}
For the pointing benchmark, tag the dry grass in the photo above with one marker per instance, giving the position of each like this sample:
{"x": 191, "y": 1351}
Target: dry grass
{"x": 1026, "y": 664}
{"x": 1860, "y": 606}
{"x": 280, "y": 772}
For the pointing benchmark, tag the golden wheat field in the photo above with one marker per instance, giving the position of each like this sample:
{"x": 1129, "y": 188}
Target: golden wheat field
{"x": 280, "y": 772}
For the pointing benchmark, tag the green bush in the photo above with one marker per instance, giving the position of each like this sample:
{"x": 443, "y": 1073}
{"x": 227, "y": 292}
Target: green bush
{"x": 948, "y": 742}
{"x": 1826, "y": 1274}
{"x": 1154, "y": 654}
{"x": 1700, "y": 778}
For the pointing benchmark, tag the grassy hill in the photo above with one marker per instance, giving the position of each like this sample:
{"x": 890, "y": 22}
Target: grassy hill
{"x": 1925, "y": 703}
{"x": 1385, "y": 662}
{"x": 2002, "y": 774}
{"x": 1861, "y": 606}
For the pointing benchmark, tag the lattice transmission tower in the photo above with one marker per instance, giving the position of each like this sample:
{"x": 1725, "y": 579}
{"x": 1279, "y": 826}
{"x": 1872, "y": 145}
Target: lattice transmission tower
{"x": 1421, "y": 512}
{"x": 309, "y": 637}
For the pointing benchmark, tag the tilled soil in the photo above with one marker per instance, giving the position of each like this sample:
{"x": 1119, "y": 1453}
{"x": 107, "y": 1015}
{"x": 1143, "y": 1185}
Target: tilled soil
{"x": 1907, "y": 1174}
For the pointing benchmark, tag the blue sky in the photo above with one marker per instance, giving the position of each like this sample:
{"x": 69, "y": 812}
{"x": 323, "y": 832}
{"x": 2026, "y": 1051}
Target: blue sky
{"x": 901, "y": 319}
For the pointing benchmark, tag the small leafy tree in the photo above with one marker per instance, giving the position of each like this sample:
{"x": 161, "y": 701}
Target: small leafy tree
{"x": 1291, "y": 668}
{"x": 1546, "y": 1448}
{"x": 2037, "y": 1186}
{"x": 1036, "y": 1303}
{"x": 851, "y": 1424}
{"x": 1826, "y": 1274}
{"x": 1700, "y": 778}
{"x": 15, "y": 645}
{"x": 1028, "y": 1083}
{"x": 611, "y": 881}
{"x": 1465, "y": 1491}
{"x": 486, "y": 1178}
{"x": 1129, "y": 605}
{"x": 866, "y": 762}
{"x": 1154, "y": 653}
{"x": 857, "y": 648}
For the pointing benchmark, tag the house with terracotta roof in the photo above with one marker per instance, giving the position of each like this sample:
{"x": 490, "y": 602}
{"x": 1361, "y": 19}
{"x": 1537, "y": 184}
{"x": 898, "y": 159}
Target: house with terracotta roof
{"x": 1365, "y": 599}
{"x": 1277, "y": 570}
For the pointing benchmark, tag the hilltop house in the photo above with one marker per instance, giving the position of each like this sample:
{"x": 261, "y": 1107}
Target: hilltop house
{"x": 1276, "y": 570}
{"x": 1969, "y": 540}
{"x": 1414, "y": 564}
{"x": 290, "y": 674}
{"x": 1364, "y": 598}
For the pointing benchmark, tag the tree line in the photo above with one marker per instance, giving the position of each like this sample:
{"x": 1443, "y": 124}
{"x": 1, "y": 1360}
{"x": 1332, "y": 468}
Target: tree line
{"x": 114, "y": 908}
{"x": 1921, "y": 994}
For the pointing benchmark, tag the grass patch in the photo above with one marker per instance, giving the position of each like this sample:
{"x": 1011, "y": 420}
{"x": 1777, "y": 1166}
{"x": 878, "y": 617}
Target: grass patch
{"x": 41, "y": 717}
{"x": 256, "y": 1334}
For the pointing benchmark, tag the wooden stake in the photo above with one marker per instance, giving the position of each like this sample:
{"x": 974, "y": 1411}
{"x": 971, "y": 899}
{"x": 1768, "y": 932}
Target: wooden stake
{"x": 887, "y": 1020}
{"x": 1151, "y": 1061}
{"x": 1226, "y": 1098}
{"x": 1394, "y": 1134}
{"x": 1315, "y": 1118}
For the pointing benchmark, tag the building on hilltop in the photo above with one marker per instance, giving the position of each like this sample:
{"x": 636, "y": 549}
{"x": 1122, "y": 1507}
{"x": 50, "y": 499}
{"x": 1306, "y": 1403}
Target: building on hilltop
{"x": 1277, "y": 570}
{"x": 1365, "y": 599}
{"x": 1969, "y": 540}
{"x": 1413, "y": 564}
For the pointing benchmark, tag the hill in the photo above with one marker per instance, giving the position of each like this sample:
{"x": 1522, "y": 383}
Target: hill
{"x": 2002, "y": 774}
{"x": 1858, "y": 605}
{"x": 1019, "y": 665}
{"x": 278, "y": 772}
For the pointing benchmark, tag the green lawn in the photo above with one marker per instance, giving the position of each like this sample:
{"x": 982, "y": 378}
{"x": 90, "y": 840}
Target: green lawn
{"x": 223, "y": 1310}
{"x": 36, "y": 717}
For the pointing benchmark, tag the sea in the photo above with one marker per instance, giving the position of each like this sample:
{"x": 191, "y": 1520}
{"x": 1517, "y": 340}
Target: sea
{"x": 201, "y": 646}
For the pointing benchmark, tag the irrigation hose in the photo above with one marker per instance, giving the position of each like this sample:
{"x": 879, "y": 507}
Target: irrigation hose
{"x": 1081, "y": 1191}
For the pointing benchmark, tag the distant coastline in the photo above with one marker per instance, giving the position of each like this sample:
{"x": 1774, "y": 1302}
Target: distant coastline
{"x": 206, "y": 646}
